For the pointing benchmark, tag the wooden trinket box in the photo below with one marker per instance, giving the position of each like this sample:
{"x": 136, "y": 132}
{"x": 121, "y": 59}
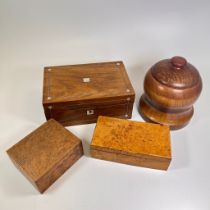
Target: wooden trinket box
{"x": 78, "y": 94}
{"x": 171, "y": 87}
{"x": 134, "y": 143}
{"x": 45, "y": 154}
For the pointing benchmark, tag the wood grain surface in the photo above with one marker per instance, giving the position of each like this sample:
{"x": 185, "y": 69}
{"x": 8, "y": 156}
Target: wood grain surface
{"x": 130, "y": 142}
{"x": 174, "y": 119}
{"x": 71, "y": 91}
{"x": 46, "y": 153}
{"x": 171, "y": 87}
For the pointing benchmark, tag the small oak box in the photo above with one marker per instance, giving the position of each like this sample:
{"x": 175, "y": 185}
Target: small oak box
{"x": 45, "y": 154}
{"x": 78, "y": 94}
{"x": 134, "y": 143}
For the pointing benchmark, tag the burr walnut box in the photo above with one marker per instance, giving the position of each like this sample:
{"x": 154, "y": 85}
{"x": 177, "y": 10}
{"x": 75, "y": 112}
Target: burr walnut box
{"x": 78, "y": 94}
{"x": 134, "y": 143}
{"x": 46, "y": 153}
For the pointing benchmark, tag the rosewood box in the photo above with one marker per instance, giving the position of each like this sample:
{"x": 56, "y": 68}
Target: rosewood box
{"x": 134, "y": 143}
{"x": 78, "y": 94}
{"x": 46, "y": 153}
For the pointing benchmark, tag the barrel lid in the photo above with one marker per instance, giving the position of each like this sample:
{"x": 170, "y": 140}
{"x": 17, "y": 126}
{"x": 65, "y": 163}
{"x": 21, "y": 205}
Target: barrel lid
{"x": 176, "y": 73}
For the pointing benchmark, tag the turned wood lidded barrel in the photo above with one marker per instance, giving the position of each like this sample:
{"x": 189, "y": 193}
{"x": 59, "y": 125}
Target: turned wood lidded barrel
{"x": 171, "y": 87}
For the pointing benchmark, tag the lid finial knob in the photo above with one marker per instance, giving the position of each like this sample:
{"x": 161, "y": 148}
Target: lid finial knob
{"x": 178, "y": 62}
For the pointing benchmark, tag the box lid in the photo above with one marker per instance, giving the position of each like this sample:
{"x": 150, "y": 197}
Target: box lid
{"x": 38, "y": 152}
{"x": 86, "y": 83}
{"x": 131, "y": 138}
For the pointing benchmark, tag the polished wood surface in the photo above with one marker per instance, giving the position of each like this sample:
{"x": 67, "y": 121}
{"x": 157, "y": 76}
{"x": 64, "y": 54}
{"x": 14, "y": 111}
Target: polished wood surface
{"x": 171, "y": 87}
{"x": 46, "y": 153}
{"x": 130, "y": 142}
{"x": 175, "y": 119}
{"x": 70, "y": 92}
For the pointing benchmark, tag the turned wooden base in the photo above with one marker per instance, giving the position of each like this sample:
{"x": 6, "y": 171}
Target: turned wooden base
{"x": 175, "y": 119}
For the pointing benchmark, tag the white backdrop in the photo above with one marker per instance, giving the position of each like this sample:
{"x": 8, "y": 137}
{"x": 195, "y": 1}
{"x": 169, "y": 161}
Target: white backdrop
{"x": 34, "y": 34}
